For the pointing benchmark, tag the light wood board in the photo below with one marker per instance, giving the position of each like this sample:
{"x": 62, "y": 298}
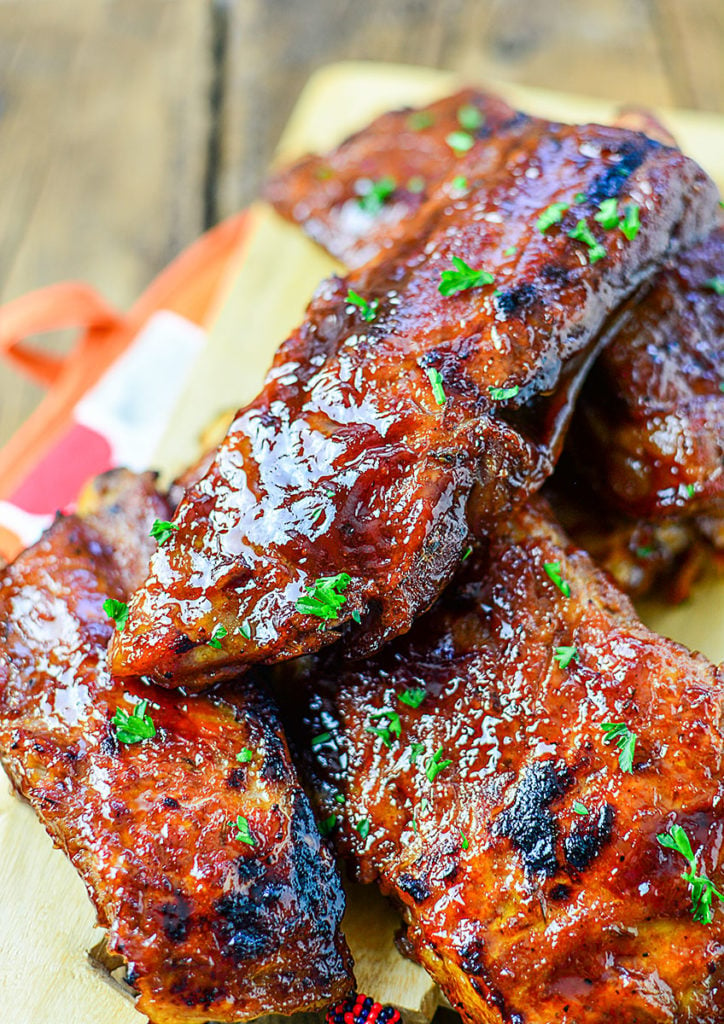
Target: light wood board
{"x": 46, "y": 921}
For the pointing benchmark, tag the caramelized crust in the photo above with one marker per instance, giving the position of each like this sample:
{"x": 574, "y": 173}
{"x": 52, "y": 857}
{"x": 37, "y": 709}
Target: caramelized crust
{"x": 326, "y": 193}
{"x": 346, "y": 463}
{"x": 524, "y": 910}
{"x": 211, "y": 928}
{"x": 650, "y": 430}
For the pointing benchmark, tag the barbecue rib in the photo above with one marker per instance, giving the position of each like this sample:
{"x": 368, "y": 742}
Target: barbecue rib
{"x": 649, "y": 427}
{"x": 467, "y": 772}
{"x": 211, "y": 927}
{"x": 380, "y": 438}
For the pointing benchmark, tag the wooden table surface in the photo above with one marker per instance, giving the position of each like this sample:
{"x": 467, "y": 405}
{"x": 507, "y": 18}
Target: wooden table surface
{"x": 127, "y": 126}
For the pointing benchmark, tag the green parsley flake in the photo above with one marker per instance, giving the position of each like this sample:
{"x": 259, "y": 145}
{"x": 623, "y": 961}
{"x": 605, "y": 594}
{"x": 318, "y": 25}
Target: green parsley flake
{"x": 460, "y": 183}
{"x": 625, "y": 740}
{"x": 413, "y": 697}
{"x": 553, "y": 572}
{"x": 416, "y": 184}
{"x": 553, "y": 214}
{"x": 244, "y": 756}
{"x": 437, "y": 389}
{"x": 470, "y": 118}
{"x": 356, "y": 617}
{"x": 502, "y": 394}
{"x": 465, "y": 844}
{"x": 463, "y": 278}
{"x": 582, "y": 233}
{"x": 565, "y": 655}
{"x": 323, "y": 598}
{"x": 363, "y": 827}
{"x": 510, "y": 251}
{"x": 368, "y": 310}
{"x": 580, "y": 808}
{"x": 644, "y": 552}
{"x": 415, "y": 750}
{"x": 376, "y": 195}
{"x": 116, "y": 610}
{"x": 386, "y": 732}
{"x": 702, "y": 888}
{"x": 316, "y": 514}
{"x": 162, "y": 530}
{"x": 420, "y": 119}
{"x": 716, "y": 284}
{"x": 326, "y": 826}
{"x": 217, "y": 636}
{"x": 339, "y": 798}
{"x": 630, "y": 223}
{"x": 467, "y": 553}
{"x": 134, "y": 727}
{"x": 245, "y": 629}
{"x": 460, "y": 142}
{"x": 607, "y": 215}
{"x": 320, "y": 738}
{"x": 243, "y": 832}
{"x": 437, "y": 763}
{"x": 579, "y": 197}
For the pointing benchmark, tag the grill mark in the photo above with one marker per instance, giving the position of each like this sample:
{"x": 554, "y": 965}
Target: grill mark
{"x": 528, "y": 823}
{"x": 587, "y": 839}
{"x": 609, "y": 184}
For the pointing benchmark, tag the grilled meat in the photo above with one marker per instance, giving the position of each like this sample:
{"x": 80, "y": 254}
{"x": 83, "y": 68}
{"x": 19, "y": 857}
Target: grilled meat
{"x": 467, "y": 772}
{"x": 352, "y": 199}
{"x": 380, "y": 439}
{"x": 210, "y": 926}
{"x": 650, "y": 428}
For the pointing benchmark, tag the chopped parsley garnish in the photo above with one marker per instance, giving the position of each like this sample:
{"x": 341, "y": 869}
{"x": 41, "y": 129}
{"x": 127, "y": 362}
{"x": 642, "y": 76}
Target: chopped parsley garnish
{"x": 579, "y": 197}
{"x": 134, "y": 727}
{"x": 580, "y": 808}
{"x": 438, "y": 390}
{"x": 460, "y": 142}
{"x": 316, "y": 513}
{"x": 583, "y": 233}
{"x": 465, "y": 844}
{"x": 470, "y": 118}
{"x": 420, "y": 119}
{"x": 607, "y": 215}
{"x": 320, "y": 738}
{"x": 690, "y": 490}
{"x": 463, "y": 278}
{"x": 356, "y": 617}
{"x": 413, "y": 697}
{"x": 162, "y": 530}
{"x": 467, "y": 553}
{"x": 377, "y": 194}
{"x": 460, "y": 183}
{"x": 416, "y": 184}
{"x": 620, "y": 734}
{"x": 217, "y": 636}
{"x": 510, "y": 251}
{"x": 565, "y": 655}
{"x": 437, "y": 763}
{"x": 339, "y": 798}
{"x": 245, "y": 629}
{"x": 363, "y": 827}
{"x": 553, "y": 214}
{"x": 630, "y": 223}
{"x": 644, "y": 552}
{"x": 716, "y": 284}
{"x": 368, "y": 310}
{"x": 553, "y": 572}
{"x": 243, "y": 833}
{"x": 323, "y": 598}
{"x": 702, "y": 888}
{"x": 116, "y": 610}
{"x": 326, "y": 826}
{"x": 415, "y": 750}
{"x": 386, "y": 732}
{"x": 244, "y": 756}
{"x": 502, "y": 394}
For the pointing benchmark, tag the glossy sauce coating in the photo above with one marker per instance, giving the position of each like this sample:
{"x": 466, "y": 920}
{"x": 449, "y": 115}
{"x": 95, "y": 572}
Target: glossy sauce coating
{"x": 524, "y": 910}
{"x": 326, "y": 193}
{"x": 651, "y": 418}
{"x": 346, "y": 463}
{"x": 211, "y": 928}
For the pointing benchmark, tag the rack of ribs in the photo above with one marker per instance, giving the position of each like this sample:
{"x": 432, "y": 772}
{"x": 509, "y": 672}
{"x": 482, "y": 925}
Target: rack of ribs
{"x": 503, "y": 772}
{"x": 415, "y": 405}
{"x": 197, "y": 846}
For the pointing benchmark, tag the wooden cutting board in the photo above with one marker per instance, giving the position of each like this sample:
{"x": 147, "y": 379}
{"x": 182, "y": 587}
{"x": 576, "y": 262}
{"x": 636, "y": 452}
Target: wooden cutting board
{"x": 46, "y": 922}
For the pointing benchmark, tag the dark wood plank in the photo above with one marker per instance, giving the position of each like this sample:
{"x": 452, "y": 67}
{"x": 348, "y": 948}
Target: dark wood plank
{"x": 104, "y": 124}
